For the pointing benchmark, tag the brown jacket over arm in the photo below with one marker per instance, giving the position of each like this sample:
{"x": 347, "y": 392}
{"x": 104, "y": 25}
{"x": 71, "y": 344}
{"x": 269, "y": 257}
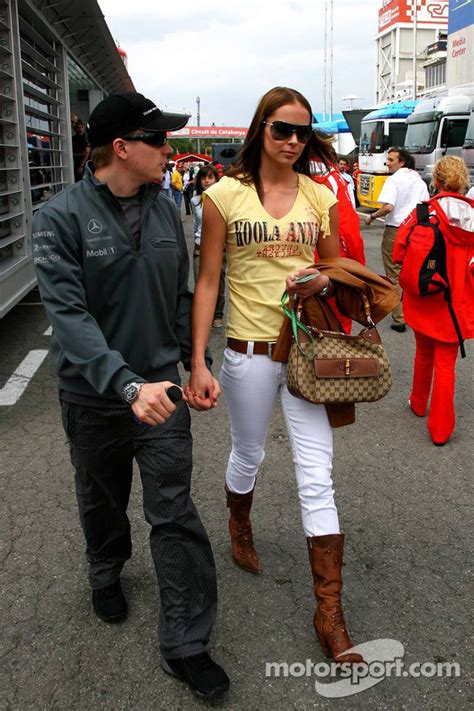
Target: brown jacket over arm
{"x": 350, "y": 279}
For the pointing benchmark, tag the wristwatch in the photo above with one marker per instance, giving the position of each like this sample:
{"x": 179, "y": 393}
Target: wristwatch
{"x": 131, "y": 391}
{"x": 325, "y": 289}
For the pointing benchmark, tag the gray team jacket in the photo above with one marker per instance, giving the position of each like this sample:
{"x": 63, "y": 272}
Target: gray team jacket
{"x": 117, "y": 315}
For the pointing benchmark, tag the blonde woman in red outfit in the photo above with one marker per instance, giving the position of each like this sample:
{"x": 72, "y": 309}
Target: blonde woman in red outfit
{"x": 437, "y": 343}
{"x": 269, "y": 216}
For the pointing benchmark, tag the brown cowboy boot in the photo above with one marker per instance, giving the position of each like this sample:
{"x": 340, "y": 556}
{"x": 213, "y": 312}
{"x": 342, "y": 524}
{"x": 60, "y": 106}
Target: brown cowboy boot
{"x": 240, "y": 528}
{"x": 325, "y": 555}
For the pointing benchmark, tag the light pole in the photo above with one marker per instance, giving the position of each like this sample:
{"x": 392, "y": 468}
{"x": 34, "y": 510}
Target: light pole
{"x": 415, "y": 28}
{"x": 331, "y": 55}
{"x": 198, "y": 102}
{"x": 328, "y": 54}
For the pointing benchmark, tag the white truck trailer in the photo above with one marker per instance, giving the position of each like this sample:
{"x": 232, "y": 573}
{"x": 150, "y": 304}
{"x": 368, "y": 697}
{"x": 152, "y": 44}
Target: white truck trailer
{"x": 438, "y": 127}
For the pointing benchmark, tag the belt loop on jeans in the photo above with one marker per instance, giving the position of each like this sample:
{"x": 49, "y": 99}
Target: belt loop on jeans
{"x": 250, "y": 347}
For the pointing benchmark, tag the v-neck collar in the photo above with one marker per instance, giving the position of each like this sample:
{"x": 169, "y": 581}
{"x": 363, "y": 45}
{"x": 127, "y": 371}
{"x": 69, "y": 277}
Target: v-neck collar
{"x": 284, "y": 217}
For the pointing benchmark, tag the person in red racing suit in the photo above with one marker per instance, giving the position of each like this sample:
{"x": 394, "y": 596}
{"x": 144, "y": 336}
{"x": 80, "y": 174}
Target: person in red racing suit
{"x": 437, "y": 342}
{"x": 350, "y": 238}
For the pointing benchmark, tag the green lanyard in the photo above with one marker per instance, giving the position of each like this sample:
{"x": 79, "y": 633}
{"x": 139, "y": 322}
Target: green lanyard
{"x": 297, "y": 324}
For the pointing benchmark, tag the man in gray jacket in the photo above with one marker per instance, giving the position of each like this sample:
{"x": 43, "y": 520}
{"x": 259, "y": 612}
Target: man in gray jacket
{"x": 112, "y": 268}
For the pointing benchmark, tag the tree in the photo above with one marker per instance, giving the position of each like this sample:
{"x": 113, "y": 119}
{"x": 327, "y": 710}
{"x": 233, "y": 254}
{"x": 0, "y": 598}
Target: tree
{"x": 189, "y": 145}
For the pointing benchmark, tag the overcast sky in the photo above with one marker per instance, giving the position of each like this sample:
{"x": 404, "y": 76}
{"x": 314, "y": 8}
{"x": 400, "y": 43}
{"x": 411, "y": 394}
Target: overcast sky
{"x": 229, "y": 54}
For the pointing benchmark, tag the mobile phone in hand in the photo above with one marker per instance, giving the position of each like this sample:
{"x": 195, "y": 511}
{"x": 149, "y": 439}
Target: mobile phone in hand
{"x": 305, "y": 278}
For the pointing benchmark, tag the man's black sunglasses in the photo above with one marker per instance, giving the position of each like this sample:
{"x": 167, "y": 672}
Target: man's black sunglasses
{"x": 282, "y": 131}
{"x": 155, "y": 138}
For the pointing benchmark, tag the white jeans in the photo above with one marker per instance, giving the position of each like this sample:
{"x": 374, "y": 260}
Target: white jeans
{"x": 251, "y": 384}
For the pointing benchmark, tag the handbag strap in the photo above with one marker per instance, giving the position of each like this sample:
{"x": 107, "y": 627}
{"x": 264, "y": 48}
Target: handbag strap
{"x": 296, "y": 324}
{"x": 366, "y": 305}
{"x": 362, "y": 288}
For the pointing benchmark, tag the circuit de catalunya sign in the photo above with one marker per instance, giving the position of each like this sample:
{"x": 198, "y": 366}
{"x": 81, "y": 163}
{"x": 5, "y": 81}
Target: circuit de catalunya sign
{"x": 209, "y": 132}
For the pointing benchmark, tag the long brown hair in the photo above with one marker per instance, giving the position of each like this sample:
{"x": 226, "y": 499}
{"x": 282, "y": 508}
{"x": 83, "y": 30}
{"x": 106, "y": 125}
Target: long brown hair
{"x": 247, "y": 167}
{"x": 204, "y": 171}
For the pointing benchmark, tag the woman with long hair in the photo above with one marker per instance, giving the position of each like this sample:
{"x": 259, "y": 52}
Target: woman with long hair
{"x": 269, "y": 215}
{"x": 437, "y": 341}
{"x": 205, "y": 178}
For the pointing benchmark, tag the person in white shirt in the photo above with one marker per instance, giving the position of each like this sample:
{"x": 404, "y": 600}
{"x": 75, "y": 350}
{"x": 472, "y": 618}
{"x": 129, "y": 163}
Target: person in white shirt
{"x": 343, "y": 167}
{"x": 206, "y": 177}
{"x": 400, "y": 194}
{"x": 166, "y": 182}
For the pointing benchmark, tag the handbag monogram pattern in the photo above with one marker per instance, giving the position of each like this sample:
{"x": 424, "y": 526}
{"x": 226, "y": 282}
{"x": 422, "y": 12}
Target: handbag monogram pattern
{"x": 328, "y": 367}
{"x": 345, "y": 378}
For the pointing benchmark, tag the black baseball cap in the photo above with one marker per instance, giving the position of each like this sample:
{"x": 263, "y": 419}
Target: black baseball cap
{"x": 118, "y": 114}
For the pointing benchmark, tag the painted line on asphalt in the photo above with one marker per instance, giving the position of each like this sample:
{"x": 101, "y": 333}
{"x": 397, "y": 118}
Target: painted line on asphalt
{"x": 49, "y": 331}
{"x": 18, "y": 382}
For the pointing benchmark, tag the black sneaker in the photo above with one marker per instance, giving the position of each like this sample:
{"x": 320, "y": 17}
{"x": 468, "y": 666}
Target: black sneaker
{"x": 109, "y": 603}
{"x": 206, "y": 678}
{"x": 399, "y": 327}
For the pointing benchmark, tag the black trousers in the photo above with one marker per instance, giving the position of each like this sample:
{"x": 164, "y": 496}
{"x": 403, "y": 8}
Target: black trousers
{"x": 103, "y": 444}
{"x": 187, "y": 194}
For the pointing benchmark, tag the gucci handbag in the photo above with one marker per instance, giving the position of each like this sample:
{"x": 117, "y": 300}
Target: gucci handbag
{"x": 328, "y": 367}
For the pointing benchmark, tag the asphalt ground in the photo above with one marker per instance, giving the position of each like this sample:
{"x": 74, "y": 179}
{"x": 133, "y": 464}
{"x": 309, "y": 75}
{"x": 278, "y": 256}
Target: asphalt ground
{"x": 403, "y": 503}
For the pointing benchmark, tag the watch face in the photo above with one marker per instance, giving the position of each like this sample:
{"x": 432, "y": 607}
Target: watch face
{"x": 130, "y": 392}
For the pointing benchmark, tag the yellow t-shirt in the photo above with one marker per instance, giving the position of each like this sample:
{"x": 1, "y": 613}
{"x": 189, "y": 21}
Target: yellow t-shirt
{"x": 177, "y": 180}
{"x": 262, "y": 251}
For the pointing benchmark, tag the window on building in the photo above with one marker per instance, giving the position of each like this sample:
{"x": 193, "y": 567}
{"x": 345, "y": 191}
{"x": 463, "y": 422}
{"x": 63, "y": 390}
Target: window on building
{"x": 435, "y": 75}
